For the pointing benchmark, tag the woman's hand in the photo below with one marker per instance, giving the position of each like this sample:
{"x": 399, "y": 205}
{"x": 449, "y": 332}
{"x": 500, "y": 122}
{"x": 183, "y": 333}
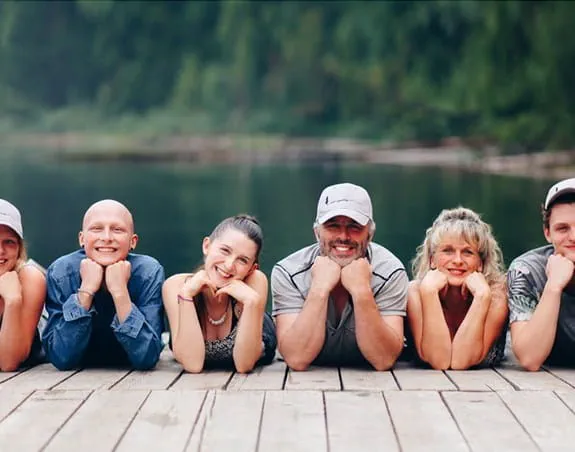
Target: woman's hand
{"x": 476, "y": 284}
{"x": 243, "y": 293}
{"x": 193, "y": 285}
{"x": 433, "y": 282}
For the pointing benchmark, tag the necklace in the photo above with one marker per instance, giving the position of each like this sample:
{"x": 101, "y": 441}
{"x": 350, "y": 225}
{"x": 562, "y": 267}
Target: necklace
{"x": 222, "y": 319}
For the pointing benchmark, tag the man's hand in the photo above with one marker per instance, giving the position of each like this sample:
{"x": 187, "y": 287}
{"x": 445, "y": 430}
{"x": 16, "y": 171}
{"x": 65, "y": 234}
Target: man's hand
{"x": 356, "y": 276}
{"x": 476, "y": 284}
{"x": 433, "y": 281}
{"x": 325, "y": 274}
{"x": 10, "y": 288}
{"x": 91, "y": 274}
{"x": 117, "y": 277}
{"x": 559, "y": 271}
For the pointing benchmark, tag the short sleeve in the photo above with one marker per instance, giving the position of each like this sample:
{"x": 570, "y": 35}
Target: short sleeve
{"x": 521, "y": 293}
{"x": 286, "y": 298}
{"x": 391, "y": 297}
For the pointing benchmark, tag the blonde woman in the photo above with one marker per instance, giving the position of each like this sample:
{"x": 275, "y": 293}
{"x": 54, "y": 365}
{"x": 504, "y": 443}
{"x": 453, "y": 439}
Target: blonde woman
{"x": 22, "y": 294}
{"x": 457, "y": 304}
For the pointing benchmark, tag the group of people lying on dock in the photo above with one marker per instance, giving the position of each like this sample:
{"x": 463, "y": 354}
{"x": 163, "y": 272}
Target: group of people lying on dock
{"x": 342, "y": 301}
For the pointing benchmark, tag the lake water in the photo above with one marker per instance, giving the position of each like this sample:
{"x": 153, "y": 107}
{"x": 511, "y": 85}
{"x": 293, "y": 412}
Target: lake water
{"x": 176, "y": 205}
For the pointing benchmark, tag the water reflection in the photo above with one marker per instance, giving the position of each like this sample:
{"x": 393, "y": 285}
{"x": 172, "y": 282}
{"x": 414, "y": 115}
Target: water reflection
{"x": 176, "y": 205}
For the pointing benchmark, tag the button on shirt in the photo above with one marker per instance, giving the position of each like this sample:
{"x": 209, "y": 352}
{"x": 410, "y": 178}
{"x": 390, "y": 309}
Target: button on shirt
{"x": 76, "y": 337}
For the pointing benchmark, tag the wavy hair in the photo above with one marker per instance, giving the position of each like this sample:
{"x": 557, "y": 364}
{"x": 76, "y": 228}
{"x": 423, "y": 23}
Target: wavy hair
{"x": 468, "y": 225}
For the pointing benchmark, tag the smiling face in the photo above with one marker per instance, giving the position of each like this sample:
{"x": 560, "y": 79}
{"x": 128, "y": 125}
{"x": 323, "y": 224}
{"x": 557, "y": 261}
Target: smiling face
{"x": 342, "y": 239}
{"x": 457, "y": 258}
{"x": 232, "y": 255}
{"x": 561, "y": 230}
{"x": 10, "y": 246}
{"x": 107, "y": 232}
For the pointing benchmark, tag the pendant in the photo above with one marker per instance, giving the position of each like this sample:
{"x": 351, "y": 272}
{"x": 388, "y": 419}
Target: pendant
{"x": 219, "y": 321}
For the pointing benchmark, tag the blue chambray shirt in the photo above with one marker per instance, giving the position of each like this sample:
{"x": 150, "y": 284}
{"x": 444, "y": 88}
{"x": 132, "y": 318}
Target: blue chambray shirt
{"x": 76, "y": 337}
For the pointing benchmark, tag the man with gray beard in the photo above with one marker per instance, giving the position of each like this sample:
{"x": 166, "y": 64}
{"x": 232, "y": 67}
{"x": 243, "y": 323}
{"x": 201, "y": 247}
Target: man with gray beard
{"x": 340, "y": 301}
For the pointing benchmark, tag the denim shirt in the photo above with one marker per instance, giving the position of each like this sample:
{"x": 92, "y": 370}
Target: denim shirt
{"x": 76, "y": 337}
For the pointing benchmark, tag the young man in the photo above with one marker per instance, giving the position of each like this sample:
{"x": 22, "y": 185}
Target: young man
{"x": 342, "y": 300}
{"x": 541, "y": 287}
{"x": 104, "y": 303}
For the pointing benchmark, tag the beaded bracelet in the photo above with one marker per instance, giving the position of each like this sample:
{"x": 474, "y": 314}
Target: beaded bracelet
{"x": 87, "y": 292}
{"x": 189, "y": 300}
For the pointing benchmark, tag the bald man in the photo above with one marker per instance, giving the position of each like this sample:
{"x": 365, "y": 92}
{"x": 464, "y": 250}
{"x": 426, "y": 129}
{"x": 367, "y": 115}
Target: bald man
{"x": 104, "y": 302}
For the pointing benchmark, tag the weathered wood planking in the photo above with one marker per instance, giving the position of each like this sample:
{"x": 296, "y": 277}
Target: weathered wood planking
{"x": 208, "y": 379}
{"x": 367, "y": 380}
{"x": 269, "y": 378}
{"x": 293, "y": 421}
{"x": 525, "y": 380}
{"x": 7, "y": 375}
{"x": 161, "y": 377}
{"x": 10, "y": 399}
{"x": 92, "y": 379}
{"x": 234, "y": 422}
{"x": 316, "y": 378}
{"x": 486, "y": 422}
{"x": 478, "y": 380}
{"x": 41, "y": 377}
{"x": 410, "y": 378}
{"x": 99, "y": 423}
{"x": 202, "y": 420}
{"x": 423, "y": 422}
{"x": 568, "y": 398}
{"x": 358, "y": 421}
{"x": 567, "y": 375}
{"x": 544, "y": 416}
{"x": 164, "y": 422}
{"x": 34, "y": 422}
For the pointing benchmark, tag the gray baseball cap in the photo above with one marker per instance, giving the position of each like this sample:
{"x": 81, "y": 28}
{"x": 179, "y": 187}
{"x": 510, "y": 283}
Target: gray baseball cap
{"x": 560, "y": 188}
{"x": 10, "y": 216}
{"x": 344, "y": 199}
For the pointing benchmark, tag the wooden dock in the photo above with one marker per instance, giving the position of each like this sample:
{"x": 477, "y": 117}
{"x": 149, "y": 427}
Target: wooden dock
{"x": 275, "y": 409}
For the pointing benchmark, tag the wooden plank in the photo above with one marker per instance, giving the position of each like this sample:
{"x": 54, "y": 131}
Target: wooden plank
{"x": 7, "y": 375}
{"x": 568, "y": 398}
{"x": 234, "y": 422}
{"x": 293, "y": 421}
{"x": 164, "y": 422}
{"x": 525, "y": 380}
{"x": 358, "y": 421}
{"x": 486, "y": 422}
{"x": 32, "y": 424}
{"x": 208, "y": 379}
{"x": 422, "y": 422}
{"x": 161, "y": 377}
{"x": 410, "y": 378}
{"x": 93, "y": 379}
{"x": 99, "y": 423}
{"x": 478, "y": 380}
{"x": 565, "y": 374}
{"x": 201, "y": 422}
{"x": 10, "y": 400}
{"x": 315, "y": 378}
{"x": 366, "y": 380}
{"x": 262, "y": 378}
{"x": 41, "y": 377}
{"x": 544, "y": 416}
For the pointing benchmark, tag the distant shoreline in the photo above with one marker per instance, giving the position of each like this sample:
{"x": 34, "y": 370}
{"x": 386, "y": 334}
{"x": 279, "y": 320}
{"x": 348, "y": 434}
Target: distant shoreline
{"x": 205, "y": 149}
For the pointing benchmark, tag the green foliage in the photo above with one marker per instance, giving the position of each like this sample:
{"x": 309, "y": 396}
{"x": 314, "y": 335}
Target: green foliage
{"x": 395, "y": 70}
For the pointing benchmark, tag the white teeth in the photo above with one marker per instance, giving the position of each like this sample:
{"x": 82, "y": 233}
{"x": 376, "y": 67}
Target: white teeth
{"x": 106, "y": 250}
{"x": 223, "y": 273}
{"x": 342, "y": 248}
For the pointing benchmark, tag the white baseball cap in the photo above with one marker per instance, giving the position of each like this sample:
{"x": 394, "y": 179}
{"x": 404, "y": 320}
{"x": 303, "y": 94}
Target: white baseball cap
{"x": 560, "y": 188}
{"x": 344, "y": 199}
{"x": 10, "y": 216}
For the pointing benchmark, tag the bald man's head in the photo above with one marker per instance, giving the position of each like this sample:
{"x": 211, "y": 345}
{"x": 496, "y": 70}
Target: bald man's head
{"x": 107, "y": 233}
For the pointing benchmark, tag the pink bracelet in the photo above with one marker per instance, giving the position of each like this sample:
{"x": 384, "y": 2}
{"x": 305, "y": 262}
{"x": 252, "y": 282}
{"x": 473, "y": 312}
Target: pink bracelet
{"x": 190, "y": 300}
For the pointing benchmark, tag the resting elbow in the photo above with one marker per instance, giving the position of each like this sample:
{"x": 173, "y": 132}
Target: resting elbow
{"x": 193, "y": 368}
{"x": 530, "y": 364}
{"x": 297, "y": 364}
{"x": 243, "y": 368}
{"x": 9, "y": 365}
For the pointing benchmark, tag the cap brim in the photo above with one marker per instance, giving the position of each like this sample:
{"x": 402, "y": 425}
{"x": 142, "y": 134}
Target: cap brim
{"x": 356, "y": 216}
{"x": 556, "y": 195}
{"x": 11, "y": 226}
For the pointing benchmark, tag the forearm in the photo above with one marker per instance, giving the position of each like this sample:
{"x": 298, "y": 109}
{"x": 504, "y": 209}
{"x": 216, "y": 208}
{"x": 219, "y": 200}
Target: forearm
{"x": 248, "y": 344}
{"x": 13, "y": 347}
{"x": 379, "y": 343}
{"x": 436, "y": 347}
{"x": 468, "y": 344}
{"x": 188, "y": 341}
{"x": 533, "y": 343}
{"x": 301, "y": 344}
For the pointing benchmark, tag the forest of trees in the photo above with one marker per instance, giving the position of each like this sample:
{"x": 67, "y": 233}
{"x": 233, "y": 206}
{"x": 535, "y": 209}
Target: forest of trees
{"x": 397, "y": 70}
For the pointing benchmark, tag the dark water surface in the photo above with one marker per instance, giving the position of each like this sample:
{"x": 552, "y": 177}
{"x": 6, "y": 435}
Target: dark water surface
{"x": 176, "y": 205}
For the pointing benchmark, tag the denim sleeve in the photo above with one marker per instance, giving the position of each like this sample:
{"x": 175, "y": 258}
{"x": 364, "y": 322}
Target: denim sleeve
{"x": 69, "y": 326}
{"x": 140, "y": 334}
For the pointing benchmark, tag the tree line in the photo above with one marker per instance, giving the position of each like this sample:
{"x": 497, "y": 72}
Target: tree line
{"x": 498, "y": 71}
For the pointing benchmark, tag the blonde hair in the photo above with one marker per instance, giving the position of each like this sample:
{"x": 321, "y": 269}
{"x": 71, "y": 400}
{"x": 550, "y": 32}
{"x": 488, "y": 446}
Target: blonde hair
{"x": 468, "y": 225}
{"x": 22, "y": 255}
